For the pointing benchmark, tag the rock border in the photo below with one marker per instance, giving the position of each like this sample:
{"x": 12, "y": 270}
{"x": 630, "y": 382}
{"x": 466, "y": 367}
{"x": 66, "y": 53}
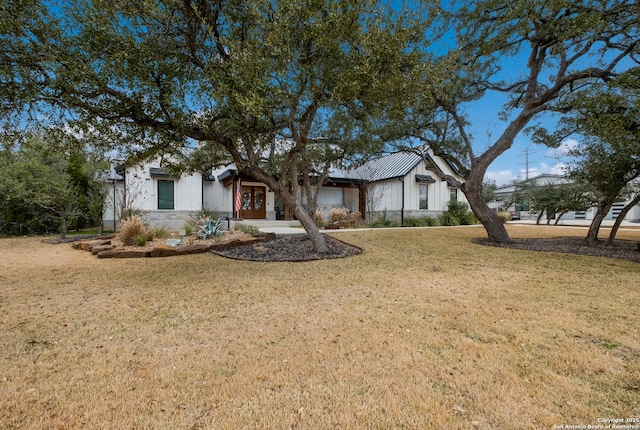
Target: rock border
{"x": 103, "y": 247}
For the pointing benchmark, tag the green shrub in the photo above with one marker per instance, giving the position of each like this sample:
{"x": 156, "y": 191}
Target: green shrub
{"x": 162, "y": 232}
{"x": 430, "y": 221}
{"x": 140, "y": 239}
{"x": 410, "y": 221}
{"x": 460, "y": 210}
{"x": 249, "y": 229}
{"x": 382, "y": 221}
{"x": 448, "y": 219}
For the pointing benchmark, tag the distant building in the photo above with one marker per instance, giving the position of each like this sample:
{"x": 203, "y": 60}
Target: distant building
{"x": 520, "y": 210}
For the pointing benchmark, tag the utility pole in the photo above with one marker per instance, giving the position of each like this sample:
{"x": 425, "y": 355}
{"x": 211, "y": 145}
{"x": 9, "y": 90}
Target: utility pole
{"x": 526, "y": 153}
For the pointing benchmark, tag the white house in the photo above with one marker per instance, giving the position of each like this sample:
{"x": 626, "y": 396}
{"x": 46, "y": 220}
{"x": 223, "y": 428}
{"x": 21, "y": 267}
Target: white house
{"x": 402, "y": 184}
{"x": 409, "y": 184}
{"x": 522, "y": 210}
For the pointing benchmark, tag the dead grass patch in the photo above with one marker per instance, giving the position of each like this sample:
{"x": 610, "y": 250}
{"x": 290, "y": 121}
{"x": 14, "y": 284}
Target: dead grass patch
{"x": 424, "y": 329}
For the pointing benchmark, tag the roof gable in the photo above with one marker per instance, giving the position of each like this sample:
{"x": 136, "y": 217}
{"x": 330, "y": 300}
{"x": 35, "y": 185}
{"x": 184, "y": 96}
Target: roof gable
{"x": 396, "y": 165}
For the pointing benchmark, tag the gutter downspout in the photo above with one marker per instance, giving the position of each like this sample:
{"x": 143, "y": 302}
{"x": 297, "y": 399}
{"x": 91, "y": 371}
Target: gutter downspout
{"x": 402, "y": 208}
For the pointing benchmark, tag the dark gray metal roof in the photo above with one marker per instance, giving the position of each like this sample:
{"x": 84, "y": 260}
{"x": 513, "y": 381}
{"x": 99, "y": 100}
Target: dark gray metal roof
{"x": 159, "y": 172}
{"x": 390, "y": 166}
{"x": 425, "y": 179}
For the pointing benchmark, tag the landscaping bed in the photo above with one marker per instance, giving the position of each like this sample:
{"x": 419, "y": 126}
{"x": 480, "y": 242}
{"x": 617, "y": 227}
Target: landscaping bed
{"x": 112, "y": 247}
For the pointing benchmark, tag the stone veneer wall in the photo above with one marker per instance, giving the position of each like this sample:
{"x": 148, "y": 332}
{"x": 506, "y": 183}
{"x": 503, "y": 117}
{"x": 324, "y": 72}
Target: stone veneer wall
{"x": 171, "y": 220}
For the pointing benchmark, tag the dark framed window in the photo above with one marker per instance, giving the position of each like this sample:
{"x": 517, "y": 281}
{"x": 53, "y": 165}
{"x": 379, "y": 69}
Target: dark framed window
{"x": 453, "y": 194}
{"x": 165, "y": 195}
{"x": 424, "y": 196}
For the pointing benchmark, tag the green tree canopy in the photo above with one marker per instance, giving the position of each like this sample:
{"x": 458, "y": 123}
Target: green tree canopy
{"x": 536, "y": 53}
{"x": 46, "y": 186}
{"x": 606, "y": 117}
{"x": 237, "y": 77}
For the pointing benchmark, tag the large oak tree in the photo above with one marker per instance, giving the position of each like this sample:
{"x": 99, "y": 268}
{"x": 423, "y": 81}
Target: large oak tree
{"x": 606, "y": 118}
{"x": 237, "y": 77}
{"x": 536, "y": 53}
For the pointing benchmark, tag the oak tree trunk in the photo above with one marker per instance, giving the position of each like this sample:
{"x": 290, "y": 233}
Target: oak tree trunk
{"x": 317, "y": 239}
{"x": 291, "y": 199}
{"x": 594, "y": 228}
{"x": 621, "y": 215}
{"x": 559, "y": 216}
{"x": 490, "y": 220}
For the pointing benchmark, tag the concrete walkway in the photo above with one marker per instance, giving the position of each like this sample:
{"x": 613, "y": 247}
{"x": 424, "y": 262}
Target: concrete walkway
{"x": 288, "y": 227}
{"x": 578, "y": 223}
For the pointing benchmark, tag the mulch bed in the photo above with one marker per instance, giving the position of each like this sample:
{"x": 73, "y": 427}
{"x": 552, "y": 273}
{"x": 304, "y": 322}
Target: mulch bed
{"x": 624, "y": 249}
{"x": 289, "y": 247}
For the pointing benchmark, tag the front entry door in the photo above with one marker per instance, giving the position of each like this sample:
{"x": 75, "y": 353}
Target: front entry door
{"x": 253, "y": 202}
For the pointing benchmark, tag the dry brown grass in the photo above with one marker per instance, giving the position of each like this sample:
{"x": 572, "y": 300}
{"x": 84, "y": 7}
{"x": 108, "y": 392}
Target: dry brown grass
{"x": 424, "y": 329}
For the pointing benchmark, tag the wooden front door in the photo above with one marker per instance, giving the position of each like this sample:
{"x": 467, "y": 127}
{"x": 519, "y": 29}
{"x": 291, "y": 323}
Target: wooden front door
{"x": 253, "y": 202}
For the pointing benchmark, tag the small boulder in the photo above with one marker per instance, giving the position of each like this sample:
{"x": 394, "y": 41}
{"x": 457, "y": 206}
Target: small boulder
{"x": 117, "y": 253}
{"x": 193, "y": 249}
{"x": 168, "y": 251}
{"x": 97, "y": 249}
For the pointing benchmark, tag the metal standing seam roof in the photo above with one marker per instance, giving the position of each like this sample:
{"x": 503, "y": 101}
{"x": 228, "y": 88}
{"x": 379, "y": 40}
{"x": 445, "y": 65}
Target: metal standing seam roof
{"x": 390, "y": 166}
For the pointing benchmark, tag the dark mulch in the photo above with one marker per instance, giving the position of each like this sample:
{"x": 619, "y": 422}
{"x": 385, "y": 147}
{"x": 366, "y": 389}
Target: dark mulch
{"x": 290, "y": 247}
{"x": 625, "y": 249}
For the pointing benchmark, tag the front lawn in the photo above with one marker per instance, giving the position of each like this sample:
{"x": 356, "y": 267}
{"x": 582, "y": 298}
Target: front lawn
{"x": 424, "y": 329}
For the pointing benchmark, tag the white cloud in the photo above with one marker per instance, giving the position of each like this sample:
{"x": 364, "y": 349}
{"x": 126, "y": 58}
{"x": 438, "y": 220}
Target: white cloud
{"x": 500, "y": 177}
{"x": 559, "y": 168}
{"x": 563, "y": 150}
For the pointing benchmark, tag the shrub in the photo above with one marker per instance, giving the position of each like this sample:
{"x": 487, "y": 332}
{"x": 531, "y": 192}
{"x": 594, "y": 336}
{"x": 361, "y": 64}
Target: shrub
{"x": 448, "y": 219}
{"x": 161, "y": 232}
{"x": 188, "y": 228}
{"x": 382, "y": 221}
{"x": 249, "y": 229}
{"x": 410, "y": 221}
{"x": 460, "y": 210}
{"x": 132, "y": 227}
{"x": 140, "y": 239}
{"x": 430, "y": 221}
{"x": 338, "y": 214}
{"x": 356, "y": 217}
{"x": 505, "y": 216}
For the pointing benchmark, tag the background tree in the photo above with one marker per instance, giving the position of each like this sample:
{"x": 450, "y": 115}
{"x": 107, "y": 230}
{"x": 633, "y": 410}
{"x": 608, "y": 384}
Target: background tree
{"x": 552, "y": 48}
{"x": 607, "y": 118}
{"x": 45, "y": 187}
{"x": 634, "y": 200}
{"x": 489, "y": 191}
{"x": 231, "y": 75}
{"x": 555, "y": 200}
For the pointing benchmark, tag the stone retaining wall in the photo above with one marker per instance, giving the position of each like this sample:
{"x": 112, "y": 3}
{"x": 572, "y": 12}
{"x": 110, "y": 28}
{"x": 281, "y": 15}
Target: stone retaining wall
{"x": 103, "y": 247}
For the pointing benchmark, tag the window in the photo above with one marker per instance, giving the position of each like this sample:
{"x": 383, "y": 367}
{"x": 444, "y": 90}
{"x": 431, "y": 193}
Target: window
{"x": 165, "y": 195}
{"x": 453, "y": 194}
{"x": 424, "y": 200}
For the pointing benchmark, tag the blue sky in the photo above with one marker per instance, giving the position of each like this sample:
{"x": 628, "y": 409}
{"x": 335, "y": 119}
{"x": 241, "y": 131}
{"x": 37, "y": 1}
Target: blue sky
{"x": 512, "y": 165}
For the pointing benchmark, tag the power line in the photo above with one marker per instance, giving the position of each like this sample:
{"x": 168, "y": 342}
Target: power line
{"x": 526, "y": 153}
